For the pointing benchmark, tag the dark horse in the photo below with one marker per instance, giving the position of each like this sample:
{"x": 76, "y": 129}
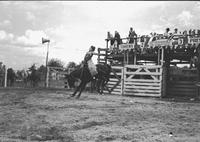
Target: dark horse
{"x": 83, "y": 73}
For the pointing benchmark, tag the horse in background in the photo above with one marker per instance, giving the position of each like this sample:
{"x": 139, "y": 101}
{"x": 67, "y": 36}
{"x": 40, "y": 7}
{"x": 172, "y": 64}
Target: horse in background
{"x": 83, "y": 74}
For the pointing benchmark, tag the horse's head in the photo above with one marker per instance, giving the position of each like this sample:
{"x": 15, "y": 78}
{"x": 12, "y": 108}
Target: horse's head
{"x": 70, "y": 80}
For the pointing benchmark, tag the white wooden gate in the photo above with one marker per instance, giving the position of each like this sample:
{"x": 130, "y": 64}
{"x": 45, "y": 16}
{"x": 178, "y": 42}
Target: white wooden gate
{"x": 137, "y": 80}
{"x": 143, "y": 80}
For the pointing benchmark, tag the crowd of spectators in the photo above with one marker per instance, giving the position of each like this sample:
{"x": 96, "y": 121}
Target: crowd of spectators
{"x": 180, "y": 41}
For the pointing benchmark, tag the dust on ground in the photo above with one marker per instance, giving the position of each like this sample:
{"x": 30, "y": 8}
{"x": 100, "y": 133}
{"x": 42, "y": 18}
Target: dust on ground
{"x": 51, "y": 116}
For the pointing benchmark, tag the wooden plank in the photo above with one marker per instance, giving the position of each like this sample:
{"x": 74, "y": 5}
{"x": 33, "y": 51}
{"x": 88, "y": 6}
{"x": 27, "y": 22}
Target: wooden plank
{"x": 116, "y": 90}
{"x": 182, "y": 86}
{"x": 101, "y": 59}
{"x": 102, "y": 49}
{"x": 113, "y": 80}
{"x": 143, "y": 83}
{"x": 182, "y": 89}
{"x": 182, "y": 94}
{"x": 179, "y": 90}
{"x": 182, "y": 75}
{"x": 142, "y": 87}
{"x": 143, "y": 80}
{"x": 139, "y": 90}
{"x": 143, "y": 94}
{"x": 182, "y": 82}
{"x": 143, "y": 73}
{"x": 110, "y": 86}
{"x": 115, "y": 93}
{"x": 143, "y": 66}
{"x": 101, "y": 54}
{"x": 117, "y": 67}
{"x": 119, "y": 74}
{"x": 178, "y": 94}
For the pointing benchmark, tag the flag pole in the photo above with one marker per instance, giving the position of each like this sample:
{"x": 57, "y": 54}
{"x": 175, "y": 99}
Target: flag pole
{"x": 47, "y": 72}
{"x": 47, "y": 56}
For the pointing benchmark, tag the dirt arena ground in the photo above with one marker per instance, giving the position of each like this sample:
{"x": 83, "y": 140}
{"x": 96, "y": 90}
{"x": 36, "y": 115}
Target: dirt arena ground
{"x": 50, "y": 116}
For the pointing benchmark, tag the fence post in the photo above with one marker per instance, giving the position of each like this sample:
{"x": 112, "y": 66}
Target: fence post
{"x": 98, "y": 58}
{"x": 162, "y": 56}
{"x": 159, "y": 56}
{"x": 122, "y": 80}
{"x": 5, "y": 78}
{"x": 47, "y": 78}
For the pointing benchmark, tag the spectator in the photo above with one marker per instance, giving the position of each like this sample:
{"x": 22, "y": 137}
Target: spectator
{"x": 132, "y": 36}
{"x": 193, "y": 32}
{"x": 190, "y": 32}
{"x": 166, "y": 34}
{"x": 111, "y": 38}
{"x": 117, "y": 38}
{"x": 185, "y": 32}
{"x": 175, "y": 31}
{"x": 198, "y": 33}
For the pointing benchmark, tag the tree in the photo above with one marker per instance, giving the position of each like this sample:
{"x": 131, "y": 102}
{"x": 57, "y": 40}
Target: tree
{"x": 10, "y": 76}
{"x": 55, "y": 63}
{"x": 42, "y": 72}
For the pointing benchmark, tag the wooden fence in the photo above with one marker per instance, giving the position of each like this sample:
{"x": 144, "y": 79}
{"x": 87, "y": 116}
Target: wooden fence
{"x": 143, "y": 80}
{"x": 56, "y": 77}
{"x": 137, "y": 80}
{"x": 182, "y": 82}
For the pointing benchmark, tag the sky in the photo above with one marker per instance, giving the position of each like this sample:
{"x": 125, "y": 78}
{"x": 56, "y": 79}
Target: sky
{"x": 73, "y": 26}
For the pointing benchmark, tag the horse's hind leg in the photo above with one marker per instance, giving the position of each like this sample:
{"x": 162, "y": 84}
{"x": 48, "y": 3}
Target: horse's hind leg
{"x": 103, "y": 83}
{"x": 98, "y": 86}
{"x": 82, "y": 87}
{"x": 76, "y": 90}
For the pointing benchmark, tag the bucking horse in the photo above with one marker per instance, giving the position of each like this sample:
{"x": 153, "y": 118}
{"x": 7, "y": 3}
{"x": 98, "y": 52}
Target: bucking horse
{"x": 83, "y": 74}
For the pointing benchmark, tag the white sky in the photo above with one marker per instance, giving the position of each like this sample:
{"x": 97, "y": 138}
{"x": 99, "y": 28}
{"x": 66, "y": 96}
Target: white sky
{"x": 73, "y": 27}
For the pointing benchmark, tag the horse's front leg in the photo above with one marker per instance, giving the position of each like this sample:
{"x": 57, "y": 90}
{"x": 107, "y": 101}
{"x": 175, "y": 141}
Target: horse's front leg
{"x": 104, "y": 82}
{"x": 76, "y": 90}
{"x": 82, "y": 87}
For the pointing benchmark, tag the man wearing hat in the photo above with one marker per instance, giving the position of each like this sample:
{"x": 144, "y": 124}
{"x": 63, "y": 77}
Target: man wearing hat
{"x": 175, "y": 31}
{"x": 167, "y": 32}
{"x": 132, "y": 35}
{"x": 88, "y": 61}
